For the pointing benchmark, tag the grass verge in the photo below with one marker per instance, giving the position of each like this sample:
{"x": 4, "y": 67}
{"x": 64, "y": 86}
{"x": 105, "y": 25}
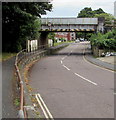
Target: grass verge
{"x": 6, "y": 56}
{"x": 56, "y": 44}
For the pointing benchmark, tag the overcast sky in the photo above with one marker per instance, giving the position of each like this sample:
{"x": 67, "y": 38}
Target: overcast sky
{"x": 71, "y": 8}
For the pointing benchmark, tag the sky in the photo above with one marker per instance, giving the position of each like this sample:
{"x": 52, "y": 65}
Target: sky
{"x": 71, "y": 8}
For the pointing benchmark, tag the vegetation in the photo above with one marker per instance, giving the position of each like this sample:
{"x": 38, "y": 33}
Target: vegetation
{"x": 6, "y": 56}
{"x": 88, "y": 12}
{"x": 52, "y": 36}
{"x": 104, "y": 41}
{"x": 59, "y": 43}
{"x": 20, "y": 22}
{"x": 17, "y": 102}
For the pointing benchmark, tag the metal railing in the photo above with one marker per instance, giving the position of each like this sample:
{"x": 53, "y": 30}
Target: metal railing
{"x": 22, "y": 58}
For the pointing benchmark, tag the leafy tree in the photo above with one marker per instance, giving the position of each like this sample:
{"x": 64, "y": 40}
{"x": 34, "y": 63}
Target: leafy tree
{"x": 104, "y": 41}
{"x": 86, "y": 12}
{"x": 52, "y": 36}
{"x": 108, "y": 17}
{"x": 98, "y": 11}
{"x": 20, "y": 21}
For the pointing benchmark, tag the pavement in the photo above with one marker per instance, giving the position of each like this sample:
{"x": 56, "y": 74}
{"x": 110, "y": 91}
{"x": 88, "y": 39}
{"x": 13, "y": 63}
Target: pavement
{"x": 8, "y": 108}
{"x": 105, "y": 62}
{"x": 72, "y": 87}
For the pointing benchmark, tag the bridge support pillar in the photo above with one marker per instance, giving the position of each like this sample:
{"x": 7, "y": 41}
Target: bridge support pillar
{"x": 43, "y": 40}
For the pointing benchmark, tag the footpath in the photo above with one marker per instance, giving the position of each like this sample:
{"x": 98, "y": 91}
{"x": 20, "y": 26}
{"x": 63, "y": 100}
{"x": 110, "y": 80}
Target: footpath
{"x": 8, "y": 108}
{"x": 105, "y": 62}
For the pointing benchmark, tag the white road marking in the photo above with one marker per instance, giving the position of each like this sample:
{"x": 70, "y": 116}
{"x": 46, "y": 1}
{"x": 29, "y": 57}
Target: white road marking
{"x": 43, "y": 106}
{"x": 86, "y": 79}
{"x": 76, "y": 73}
{"x": 63, "y": 58}
{"x": 66, "y": 67}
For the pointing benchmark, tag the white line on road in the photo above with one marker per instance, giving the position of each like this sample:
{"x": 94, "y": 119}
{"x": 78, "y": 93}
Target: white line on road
{"x": 41, "y": 106}
{"x": 61, "y": 61}
{"x": 86, "y": 79}
{"x": 44, "y": 108}
{"x": 66, "y": 67}
{"x": 63, "y": 58}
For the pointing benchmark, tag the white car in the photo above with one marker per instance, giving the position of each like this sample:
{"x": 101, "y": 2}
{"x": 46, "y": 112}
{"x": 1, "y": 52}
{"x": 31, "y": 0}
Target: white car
{"x": 76, "y": 41}
{"x": 81, "y": 39}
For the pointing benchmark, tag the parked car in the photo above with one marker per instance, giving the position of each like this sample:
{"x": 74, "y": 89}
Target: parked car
{"x": 81, "y": 39}
{"x": 77, "y": 40}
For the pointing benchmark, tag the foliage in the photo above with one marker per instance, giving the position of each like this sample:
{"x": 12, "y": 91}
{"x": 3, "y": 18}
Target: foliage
{"x": 104, "y": 41}
{"x": 6, "y": 56}
{"x": 20, "y": 21}
{"x": 108, "y": 17}
{"x": 88, "y": 12}
{"x": 52, "y": 36}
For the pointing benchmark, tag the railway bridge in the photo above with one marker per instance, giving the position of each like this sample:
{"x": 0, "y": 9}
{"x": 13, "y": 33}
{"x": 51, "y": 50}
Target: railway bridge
{"x": 69, "y": 25}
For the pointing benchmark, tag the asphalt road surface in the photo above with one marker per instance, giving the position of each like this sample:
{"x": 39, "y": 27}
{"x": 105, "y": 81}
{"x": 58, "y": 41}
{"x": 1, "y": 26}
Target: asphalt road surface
{"x": 71, "y": 87}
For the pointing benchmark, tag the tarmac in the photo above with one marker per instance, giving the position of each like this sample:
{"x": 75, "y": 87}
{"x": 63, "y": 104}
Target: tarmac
{"x": 8, "y": 109}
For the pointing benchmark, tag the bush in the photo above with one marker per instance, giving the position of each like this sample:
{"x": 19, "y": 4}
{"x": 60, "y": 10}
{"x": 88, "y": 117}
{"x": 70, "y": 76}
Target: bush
{"x": 104, "y": 41}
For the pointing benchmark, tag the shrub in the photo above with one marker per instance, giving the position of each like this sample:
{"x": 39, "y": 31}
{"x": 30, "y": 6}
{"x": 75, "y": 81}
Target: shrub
{"x": 104, "y": 41}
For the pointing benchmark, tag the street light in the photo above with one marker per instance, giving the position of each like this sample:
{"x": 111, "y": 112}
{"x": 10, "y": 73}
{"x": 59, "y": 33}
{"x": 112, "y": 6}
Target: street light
{"x": 49, "y": 25}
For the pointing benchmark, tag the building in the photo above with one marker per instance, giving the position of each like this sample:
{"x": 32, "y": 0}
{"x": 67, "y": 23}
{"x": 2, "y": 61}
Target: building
{"x": 68, "y": 36}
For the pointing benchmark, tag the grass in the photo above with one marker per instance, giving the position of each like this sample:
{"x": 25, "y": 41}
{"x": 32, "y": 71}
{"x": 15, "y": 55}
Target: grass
{"x": 17, "y": 102}
{"x": 56, "y": 44}
{"x": 6, "y": 56}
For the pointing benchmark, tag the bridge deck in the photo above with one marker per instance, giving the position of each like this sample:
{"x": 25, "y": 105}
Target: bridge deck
{"x": 77, "y": 21}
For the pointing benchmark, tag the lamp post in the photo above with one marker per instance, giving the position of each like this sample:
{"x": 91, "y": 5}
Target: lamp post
{"x": 49, "y": 25}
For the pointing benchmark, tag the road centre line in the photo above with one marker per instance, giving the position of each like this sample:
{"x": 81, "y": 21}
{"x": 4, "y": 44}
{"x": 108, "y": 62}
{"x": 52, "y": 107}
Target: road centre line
{"x": 66, "y": 67}
{"x": 63, "y": 58}
{"x": 86, "y": 79}
{"x": 76, "y": 73}
{"x": 44, "y": 108}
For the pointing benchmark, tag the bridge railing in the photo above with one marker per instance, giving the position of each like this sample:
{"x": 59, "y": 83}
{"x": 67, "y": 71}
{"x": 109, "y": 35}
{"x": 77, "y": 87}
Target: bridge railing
{"x": 23, "y": 58}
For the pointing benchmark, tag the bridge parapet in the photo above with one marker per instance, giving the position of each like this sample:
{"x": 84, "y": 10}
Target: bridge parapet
{"x": 71, "y": 24}
{"x": 72, "y": 21}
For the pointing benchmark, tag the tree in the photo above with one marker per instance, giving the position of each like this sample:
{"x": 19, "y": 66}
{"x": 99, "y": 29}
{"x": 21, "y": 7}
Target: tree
{"x": 107, "y": 16}
{"x": 98, "y": 11}
{"x": 20, "y": 21}
{"x": 88, "y": 12}
{"x": 52, "y": 36}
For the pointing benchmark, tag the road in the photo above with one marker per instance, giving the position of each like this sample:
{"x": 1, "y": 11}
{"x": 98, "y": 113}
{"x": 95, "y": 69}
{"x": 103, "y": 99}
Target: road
{"x": 71, "y": 87}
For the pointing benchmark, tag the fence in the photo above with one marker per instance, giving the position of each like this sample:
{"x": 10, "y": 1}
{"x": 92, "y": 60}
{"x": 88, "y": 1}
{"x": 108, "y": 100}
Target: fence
{"x": 23, "y": 58}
